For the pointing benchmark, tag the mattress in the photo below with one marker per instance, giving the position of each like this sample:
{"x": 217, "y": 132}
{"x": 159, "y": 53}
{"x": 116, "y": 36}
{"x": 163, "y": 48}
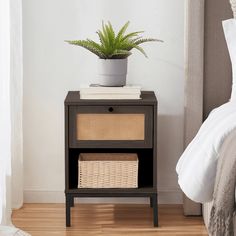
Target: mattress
{"x": 228, "y": 148}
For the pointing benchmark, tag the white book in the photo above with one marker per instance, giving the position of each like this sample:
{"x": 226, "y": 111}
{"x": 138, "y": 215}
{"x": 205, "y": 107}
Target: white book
{"x": 110, "y": 96}
{"x": 127, "y": 89}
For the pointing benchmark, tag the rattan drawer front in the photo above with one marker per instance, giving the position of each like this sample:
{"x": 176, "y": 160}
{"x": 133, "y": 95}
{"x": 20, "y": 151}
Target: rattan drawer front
{"x": 110, "y": 127}
{"x": 119, "y": 126}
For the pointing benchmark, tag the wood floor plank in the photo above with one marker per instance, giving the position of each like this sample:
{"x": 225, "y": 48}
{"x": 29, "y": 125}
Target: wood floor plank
{"x": 106, "y": 219}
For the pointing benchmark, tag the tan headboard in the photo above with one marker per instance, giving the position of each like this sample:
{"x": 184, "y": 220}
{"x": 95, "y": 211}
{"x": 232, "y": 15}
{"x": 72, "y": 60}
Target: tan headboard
{"x": 217, "y": 67}
{"x": 207, "y": 65}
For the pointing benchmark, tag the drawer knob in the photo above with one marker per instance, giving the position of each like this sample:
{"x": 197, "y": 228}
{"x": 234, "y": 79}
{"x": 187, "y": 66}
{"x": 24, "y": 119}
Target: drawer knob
{"x": 110, "y": 109}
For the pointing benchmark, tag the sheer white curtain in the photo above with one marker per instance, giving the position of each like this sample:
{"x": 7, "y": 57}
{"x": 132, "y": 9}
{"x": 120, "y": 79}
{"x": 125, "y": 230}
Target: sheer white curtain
{"x": 11, "y": 164}
{"x": 5, "y": 114}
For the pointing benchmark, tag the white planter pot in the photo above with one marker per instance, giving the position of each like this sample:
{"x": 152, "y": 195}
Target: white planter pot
{"x": 112, "y": 72}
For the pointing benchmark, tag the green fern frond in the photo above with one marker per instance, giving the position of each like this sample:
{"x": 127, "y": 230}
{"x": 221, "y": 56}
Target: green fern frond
{"x": 127, "y": 45}
{"x": 101, "y": 37}
{"x": 88, "y": 46}
{"x": 121, "y": 52}
{"x": 112, "y": 46}
{"x": 110, "y": 37}
{"x": 147, "y": 40}
{"x": 111, "y": 31}
{"x": 141, "y": 50}
{"x": 131, "y": 35}
{"x": 122, "y": 31}
{"x": 95, "y": 45}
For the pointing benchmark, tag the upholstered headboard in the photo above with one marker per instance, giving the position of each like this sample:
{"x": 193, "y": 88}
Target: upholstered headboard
{"x": 217, "y": 68}
{"x": 207, "y": 66}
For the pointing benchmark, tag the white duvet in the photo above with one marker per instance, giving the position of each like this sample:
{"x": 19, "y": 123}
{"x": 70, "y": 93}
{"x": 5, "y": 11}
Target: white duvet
{"x": 196, "y": 167}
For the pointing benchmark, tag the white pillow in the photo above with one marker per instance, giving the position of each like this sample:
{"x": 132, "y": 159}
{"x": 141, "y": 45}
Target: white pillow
{"x": 229, "y": 27}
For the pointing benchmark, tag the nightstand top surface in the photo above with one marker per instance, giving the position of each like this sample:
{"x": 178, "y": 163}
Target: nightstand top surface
{"x": 147, "y": 98}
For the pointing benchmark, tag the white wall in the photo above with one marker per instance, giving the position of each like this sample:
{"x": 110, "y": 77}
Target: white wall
{"x": 52, "y": 67}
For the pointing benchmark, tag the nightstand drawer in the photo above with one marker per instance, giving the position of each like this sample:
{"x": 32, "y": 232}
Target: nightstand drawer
{"x": 119, "y": 126}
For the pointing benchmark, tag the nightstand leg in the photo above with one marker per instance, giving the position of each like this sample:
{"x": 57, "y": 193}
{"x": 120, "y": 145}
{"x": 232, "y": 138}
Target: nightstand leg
{"x": 72, "y": 202}
{"x": 151, "y": 204}
{"x": 68, "y": 205}
{"x": 155, "y": 210}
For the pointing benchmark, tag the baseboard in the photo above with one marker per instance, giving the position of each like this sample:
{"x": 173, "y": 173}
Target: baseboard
{"x": 44, "y": 196}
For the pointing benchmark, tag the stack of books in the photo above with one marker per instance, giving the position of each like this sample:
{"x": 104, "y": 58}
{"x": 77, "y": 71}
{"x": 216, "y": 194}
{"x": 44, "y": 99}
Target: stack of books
{"x": 100, "y": 92}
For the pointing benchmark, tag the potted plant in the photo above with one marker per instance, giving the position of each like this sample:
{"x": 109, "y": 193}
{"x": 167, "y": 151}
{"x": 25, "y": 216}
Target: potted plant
{"x": 113, "y": 51}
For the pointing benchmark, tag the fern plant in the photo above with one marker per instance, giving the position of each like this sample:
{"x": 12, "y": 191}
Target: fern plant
{"x": 112, "y": 45}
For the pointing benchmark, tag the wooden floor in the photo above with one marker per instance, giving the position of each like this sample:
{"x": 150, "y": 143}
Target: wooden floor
{"x": 106, "y": 219}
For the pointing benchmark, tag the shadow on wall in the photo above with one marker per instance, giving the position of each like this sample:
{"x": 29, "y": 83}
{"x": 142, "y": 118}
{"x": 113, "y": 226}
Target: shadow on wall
{"x": 170, "y": 148}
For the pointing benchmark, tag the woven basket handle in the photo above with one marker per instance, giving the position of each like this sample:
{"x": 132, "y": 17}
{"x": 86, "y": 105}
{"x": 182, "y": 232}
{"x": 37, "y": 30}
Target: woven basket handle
{"x": 233, "y": 6}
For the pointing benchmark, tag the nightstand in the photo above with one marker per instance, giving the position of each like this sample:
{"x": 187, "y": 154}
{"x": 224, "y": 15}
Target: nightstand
{"x": 111, "y": 126}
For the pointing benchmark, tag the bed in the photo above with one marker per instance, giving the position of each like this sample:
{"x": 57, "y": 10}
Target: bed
{"x": 217, "y": 66}
{"x": 228, "y": 148}
{"x": 217, "y": 75}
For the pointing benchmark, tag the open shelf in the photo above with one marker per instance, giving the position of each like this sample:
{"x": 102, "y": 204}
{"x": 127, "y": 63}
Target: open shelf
{"x": 145, "y": 168}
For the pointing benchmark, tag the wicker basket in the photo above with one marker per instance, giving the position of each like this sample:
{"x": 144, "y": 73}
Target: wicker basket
{"x": 108, "y": 170}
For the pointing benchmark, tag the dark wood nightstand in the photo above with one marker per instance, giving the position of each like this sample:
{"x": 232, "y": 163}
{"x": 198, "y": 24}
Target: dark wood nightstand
{"x": 114, "y": 126}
